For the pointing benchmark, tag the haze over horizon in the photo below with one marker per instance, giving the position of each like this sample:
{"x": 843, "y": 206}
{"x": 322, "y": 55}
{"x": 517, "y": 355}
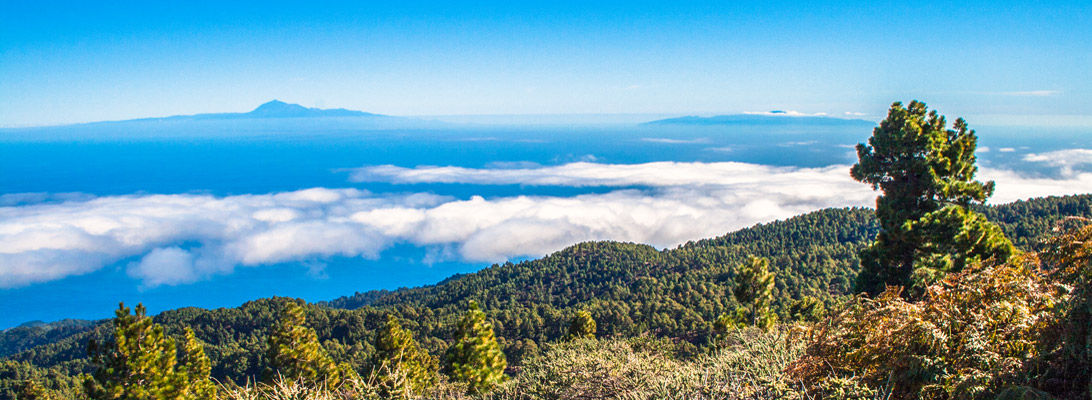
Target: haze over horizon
{"x": 278, "y": 109}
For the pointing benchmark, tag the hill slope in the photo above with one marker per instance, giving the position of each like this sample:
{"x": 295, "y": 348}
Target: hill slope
{"x": 37, "y": 333}
{"x": 629, "y": 289}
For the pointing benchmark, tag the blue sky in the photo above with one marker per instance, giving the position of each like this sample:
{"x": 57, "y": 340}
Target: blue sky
{"x": 86, "y": 61}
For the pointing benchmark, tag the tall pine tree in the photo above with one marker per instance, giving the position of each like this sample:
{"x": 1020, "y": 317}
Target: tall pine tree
{"x": 295, "y": 352}
{"x": 140, "y": 363}
{"x": 926, "y": 172}
{"x": 195, "y": 370}
{"x": 754, "y": 290}
{"x": 475, "y": 357}
{"x": 401, "y": 368}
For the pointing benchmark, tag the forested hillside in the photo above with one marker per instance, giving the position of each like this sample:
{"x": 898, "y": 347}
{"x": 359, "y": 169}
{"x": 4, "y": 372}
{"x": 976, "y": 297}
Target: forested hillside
{"x": 30, "y": 335}
{"x": 629, "y": 289}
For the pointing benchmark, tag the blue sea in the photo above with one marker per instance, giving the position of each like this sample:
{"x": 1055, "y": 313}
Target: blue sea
{"x": 44, "y": 166}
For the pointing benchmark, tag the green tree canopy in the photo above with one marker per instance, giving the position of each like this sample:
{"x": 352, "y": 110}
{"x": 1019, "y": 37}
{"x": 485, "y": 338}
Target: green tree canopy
{"x": 475, "y": 357}
{"x": 754, "y": 290}
{"x": 582, "y": 325}
{"x": 926, "y": 172}
{"x": 295, "y": 352}
{"x": 400, "y": 367}
{"x": 140, "y": 362}
{"x": 195, "y": 369}
{"x": 950, "y": 239}
{"x": 807, "y": 309}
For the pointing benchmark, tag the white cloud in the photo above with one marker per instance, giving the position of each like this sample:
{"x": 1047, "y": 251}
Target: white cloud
{"x": 1066, "y": 159}
{"x": 731, "y": 177}
{"x": 165, "y": 266}
{"x": 799, "y": 143}
{"x": 48, "y": 241}
{"x": 585, "y": 174}
{"x": 1013, "y": 186}
{"x": 1006, "y": 149}
{"x": 183, "y": 238}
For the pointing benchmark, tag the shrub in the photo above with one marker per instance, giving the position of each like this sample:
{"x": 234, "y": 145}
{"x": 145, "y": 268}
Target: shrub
{"x": 1067, "y": 369}
{"x": 749, "y": 367}
{"x": 969, "y": 337}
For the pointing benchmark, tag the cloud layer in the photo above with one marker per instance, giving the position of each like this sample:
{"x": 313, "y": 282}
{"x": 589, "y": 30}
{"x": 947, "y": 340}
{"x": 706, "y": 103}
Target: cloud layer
{"x": 175, "y": 239}
{"x": 1065, "y": 160}
{"x": 586, "y": 174}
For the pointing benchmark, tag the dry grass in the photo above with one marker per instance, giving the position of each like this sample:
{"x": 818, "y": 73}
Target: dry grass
{"x": 282, "y": 389}
{"x": 749, "y": 367}
{"x": 642, "y": 368}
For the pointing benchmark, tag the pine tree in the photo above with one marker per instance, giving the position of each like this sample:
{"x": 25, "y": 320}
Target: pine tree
{"x": 754, "y": 290}
{"x": 195, "y": 370}
{"x": 807, "y": 309}
{"x": 475, "y": 357}
{"x": 926, "y": 173}
{"x": 951, "y": 238}
{"x": 33, "y": 390}
{"x": 582, "y": 326}
{"x": 401, "y": 368}
{"x": 725, "y": 323}
{"x": 140, "y": 363}
{"x": 295, "y": 352}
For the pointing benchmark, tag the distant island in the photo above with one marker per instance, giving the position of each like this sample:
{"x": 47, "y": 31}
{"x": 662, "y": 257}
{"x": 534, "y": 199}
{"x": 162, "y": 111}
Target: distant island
{"x": 276, "y": 109}
{"x": 272, "y": 116}
{"x": 772, "y": 118}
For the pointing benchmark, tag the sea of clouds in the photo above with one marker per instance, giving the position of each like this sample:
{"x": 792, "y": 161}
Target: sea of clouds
{"x": 182, "y": 238}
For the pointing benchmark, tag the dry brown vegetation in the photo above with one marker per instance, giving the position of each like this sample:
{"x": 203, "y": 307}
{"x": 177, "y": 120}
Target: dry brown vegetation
{"x": 1015, "y": 330}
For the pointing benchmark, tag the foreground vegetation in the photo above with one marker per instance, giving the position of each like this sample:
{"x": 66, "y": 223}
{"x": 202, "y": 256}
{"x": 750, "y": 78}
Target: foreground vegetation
{"x": 950, "y": 299}
{"x": 748, "y": 366}
{"x": 628, "y": 289}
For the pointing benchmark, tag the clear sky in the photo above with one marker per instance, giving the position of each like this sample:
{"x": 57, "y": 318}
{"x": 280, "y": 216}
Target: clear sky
{"x": 64, "y": 62}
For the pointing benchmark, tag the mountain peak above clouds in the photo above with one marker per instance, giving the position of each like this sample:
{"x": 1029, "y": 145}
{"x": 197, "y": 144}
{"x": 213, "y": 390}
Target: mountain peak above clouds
{"x": 280, "y": 109}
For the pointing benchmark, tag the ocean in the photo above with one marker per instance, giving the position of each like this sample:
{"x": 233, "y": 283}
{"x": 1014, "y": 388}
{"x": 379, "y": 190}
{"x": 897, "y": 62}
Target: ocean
{"x": 52, "y": 170}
